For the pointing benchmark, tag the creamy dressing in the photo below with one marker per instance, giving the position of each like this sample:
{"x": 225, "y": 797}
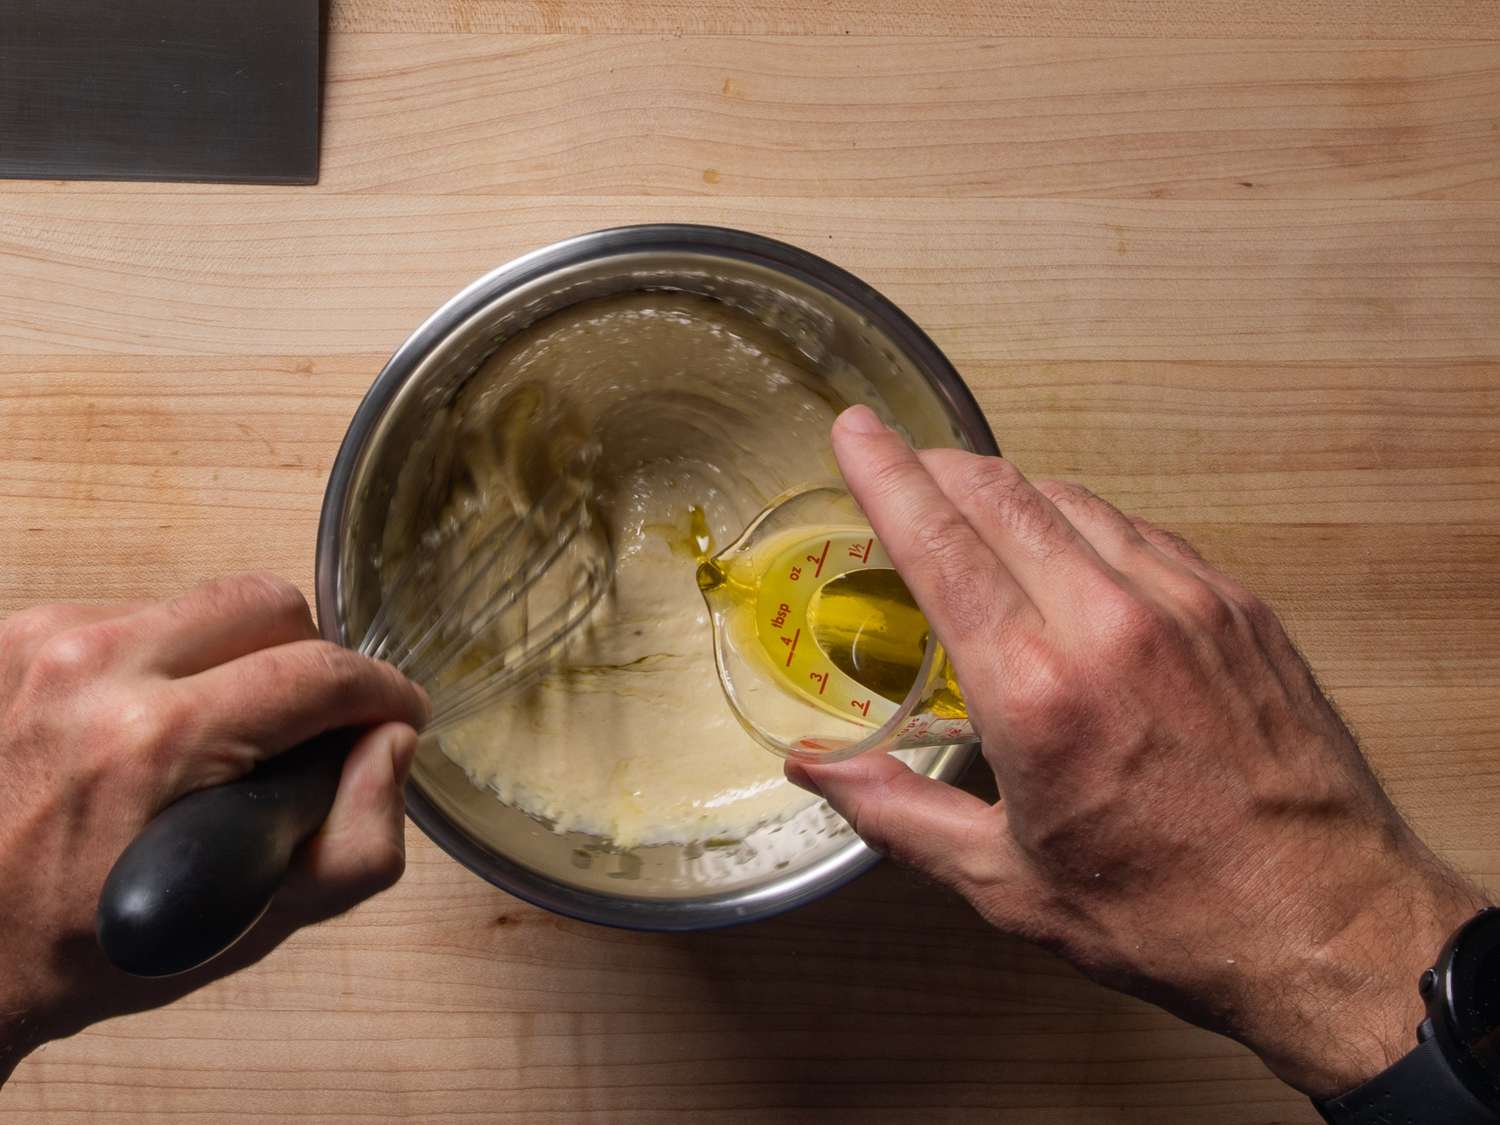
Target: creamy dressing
{"x": 701, "y": 416}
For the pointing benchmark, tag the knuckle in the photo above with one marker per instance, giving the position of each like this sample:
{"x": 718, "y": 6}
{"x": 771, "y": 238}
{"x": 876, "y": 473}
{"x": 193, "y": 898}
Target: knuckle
{"x": 374, "y": 867}
{"x": 275, "y": 593}
{"x": 32, "y": 626}
{"x": 143, "y": 729}
{"x": 971, "y": 870}
{"x": 1065, "y": 491}
{"x": 384, "y": 679}
{"x": 301, "y": 672}
{"x": 961, "y": 587}
{"x": 988, "y": 482}
{"x": 140, "y": 726}
{"x": 946, "y": 538}
{"x": 968, "y": 610}
{"x": 261, "y": 593}
{"x": 378, "y": 686}
{"x": 997, "y": 487}
{"x": 335, "y": 667}
{"x": 1182, "y": 544}
{"x": 1173, "y": 543}
{"x": 1239, "y": 595}
{"x": 386, "y": 866}
{"x": 72, "y": 655}
{"x": 1042, "y": 695}
{"x": 891, "y": 476}
{"x": 1205, "y": 606}
{"x": 1128, "y": 628}
{"x": 871, "y": 824}
{"x": 1257, "y": 611}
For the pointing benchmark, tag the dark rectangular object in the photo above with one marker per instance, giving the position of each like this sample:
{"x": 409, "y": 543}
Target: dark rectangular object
{"x": 222, "y": 90}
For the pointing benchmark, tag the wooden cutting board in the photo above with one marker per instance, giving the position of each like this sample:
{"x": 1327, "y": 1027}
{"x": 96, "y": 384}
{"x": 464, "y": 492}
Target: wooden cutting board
{"x": 1235, "y": 266}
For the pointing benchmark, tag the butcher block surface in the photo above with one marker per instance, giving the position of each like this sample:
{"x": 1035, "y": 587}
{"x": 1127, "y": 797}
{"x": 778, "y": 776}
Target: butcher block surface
{"x": 1234, "y": 266}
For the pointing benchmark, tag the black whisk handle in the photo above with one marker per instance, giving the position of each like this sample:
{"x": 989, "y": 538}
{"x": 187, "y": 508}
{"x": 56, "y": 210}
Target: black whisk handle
{"x": 203, "y": 871}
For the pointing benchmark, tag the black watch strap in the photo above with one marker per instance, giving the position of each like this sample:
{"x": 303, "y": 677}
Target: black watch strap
{"x": 1419, "y": 1088}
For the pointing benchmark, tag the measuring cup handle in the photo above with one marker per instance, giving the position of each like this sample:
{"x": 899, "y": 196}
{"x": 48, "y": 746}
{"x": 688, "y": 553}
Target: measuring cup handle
{"x": 203, "y": 871}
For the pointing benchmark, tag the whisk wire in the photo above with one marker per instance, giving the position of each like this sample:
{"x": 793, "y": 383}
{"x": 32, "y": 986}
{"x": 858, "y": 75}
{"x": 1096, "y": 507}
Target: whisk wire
{"x": 558, "y": 539}
{"x": 512, "y": 591}
{"x": 516, "y": 666}
{"x": 418, "y": 625}
{"x": 420, "y": 663}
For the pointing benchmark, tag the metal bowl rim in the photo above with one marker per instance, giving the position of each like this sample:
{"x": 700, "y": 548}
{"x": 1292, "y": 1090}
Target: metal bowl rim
{"x": 704, "y": 912}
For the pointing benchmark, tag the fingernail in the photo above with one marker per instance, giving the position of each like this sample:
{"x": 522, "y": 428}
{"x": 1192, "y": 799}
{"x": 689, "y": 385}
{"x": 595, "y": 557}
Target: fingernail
{"x": 799, "y": 777}
{"x": 403, "y": 753}
{"x": 862, "y": 420}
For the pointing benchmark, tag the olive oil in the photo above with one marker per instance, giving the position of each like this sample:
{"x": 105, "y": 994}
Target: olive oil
{"x": 862, "y": 620}
{"x": 695, "y": 540}
{"x": 869, "y": 625}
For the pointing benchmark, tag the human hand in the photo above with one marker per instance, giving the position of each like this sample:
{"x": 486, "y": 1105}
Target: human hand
{"x": 1183, "y": 815}
{"x": 108, "y": 714}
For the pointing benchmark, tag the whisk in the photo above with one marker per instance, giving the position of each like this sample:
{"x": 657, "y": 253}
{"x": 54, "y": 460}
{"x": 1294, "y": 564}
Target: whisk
{"x": 535, "y": 577}
{"x": 514, "y": 591}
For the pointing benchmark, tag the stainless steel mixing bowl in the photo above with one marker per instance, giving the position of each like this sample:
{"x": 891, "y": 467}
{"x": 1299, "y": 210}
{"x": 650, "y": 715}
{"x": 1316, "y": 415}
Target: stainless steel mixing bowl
{"x": 837, "y": 321}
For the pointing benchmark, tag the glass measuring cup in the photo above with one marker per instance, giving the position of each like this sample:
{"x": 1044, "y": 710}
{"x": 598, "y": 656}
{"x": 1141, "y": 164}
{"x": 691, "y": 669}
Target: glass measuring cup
{"x": 821, "y": 651}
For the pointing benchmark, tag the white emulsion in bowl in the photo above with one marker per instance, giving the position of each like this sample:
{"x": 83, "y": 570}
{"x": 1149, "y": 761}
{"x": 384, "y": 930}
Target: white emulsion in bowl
{"x": 701, "y": 415}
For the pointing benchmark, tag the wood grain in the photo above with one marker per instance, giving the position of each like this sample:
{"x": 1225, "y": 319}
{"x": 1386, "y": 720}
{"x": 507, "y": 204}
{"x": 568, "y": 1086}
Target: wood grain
{"x": 279, "y": 274}
{"x": 1303, "y": 375}
{"x": 895, "y": 116}
{"x": 1175, "y": 19}
{"x": 838, "y": 117}
{"x": 507, "y": 1014}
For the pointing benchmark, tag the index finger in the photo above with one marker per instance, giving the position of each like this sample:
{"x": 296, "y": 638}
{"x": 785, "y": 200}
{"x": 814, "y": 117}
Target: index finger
{"x": 959, "y": 584}
{"x": 271, "y": 700}
{"x": 220, "y": 621}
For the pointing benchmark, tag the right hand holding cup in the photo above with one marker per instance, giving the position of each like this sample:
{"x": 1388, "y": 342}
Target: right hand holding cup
{"x": 1183, "y": 814}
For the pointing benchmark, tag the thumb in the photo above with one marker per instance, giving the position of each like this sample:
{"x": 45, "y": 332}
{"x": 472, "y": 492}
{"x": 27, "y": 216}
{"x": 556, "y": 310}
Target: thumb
{"x": 947, "y": 834}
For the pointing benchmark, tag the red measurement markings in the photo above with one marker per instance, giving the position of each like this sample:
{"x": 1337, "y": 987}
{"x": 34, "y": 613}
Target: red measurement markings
{"x": 795, "y": 573}
{"x": 821, "y": 678}
{"x": 820, "y": 559}
{"x": 791, "y": 641}
{"x": 862, "y": 708}
{"x": 862, "y": 553}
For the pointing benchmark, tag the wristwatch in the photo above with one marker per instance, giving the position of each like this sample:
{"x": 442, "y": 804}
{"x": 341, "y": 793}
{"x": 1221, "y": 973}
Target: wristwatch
{"x": 1453, "y": 1075}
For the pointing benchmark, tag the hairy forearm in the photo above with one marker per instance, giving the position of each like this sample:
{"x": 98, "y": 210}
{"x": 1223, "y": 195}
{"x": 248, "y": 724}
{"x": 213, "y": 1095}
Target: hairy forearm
{"x": 1343, "y": 1004}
